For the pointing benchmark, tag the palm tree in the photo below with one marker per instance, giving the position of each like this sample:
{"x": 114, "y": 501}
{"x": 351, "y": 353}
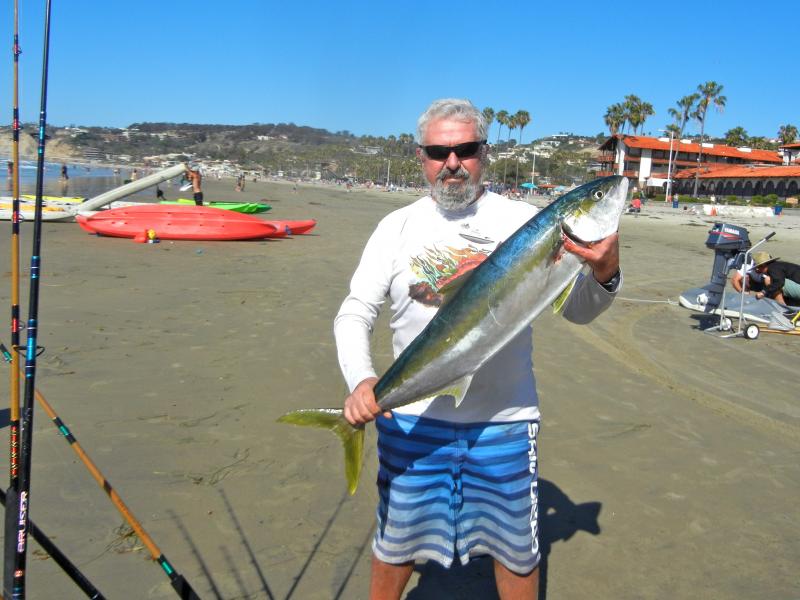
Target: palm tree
{"x": 502, "y": 118}
{"x": 511, "y": 123}
{"x": 615, "y": 118}
{"x": 683, "y": 112}
{"x": 736, "y": 137}
{"x": 522, "y": 118}
{"x": 787, "y": 134}
{"x": 709, "y": 92}
{"x": 488, "y": 116}
{"x": 637, "y": 111}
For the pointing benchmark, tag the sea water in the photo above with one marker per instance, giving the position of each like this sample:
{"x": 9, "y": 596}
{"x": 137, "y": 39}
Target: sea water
{"x": 85, "y": 180}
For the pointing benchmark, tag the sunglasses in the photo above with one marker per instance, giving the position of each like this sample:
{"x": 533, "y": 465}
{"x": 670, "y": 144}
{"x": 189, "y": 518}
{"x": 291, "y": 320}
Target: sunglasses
{"x": 465, "y": 150}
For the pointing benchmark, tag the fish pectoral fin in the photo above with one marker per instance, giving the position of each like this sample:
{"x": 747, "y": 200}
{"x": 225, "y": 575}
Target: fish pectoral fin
{"x": 457, "y": 389}
{"x": 558, "y": 303}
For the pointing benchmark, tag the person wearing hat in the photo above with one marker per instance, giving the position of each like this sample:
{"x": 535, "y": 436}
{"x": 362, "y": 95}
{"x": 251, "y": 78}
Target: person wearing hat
{"x": 770, "y": 277}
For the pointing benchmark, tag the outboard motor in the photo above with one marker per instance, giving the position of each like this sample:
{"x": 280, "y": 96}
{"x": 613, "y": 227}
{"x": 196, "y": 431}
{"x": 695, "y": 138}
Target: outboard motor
{"x": 728, "y": 242}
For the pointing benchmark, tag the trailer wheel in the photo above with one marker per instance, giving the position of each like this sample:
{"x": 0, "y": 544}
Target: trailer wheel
{"x": 726, "y": 324}
{"x": 751, "y": 332}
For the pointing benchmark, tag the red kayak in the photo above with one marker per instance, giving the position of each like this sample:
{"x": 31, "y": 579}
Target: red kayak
{"x": 177, "y": 222}
{"x": 294, "y": 227}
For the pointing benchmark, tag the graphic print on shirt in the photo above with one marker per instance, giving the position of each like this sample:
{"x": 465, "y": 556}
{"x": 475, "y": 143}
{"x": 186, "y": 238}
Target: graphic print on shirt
{"x": 436, "y": 267}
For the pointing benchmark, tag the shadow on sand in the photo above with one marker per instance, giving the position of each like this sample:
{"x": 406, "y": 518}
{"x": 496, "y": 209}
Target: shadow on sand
{"x": 559, "y": 519}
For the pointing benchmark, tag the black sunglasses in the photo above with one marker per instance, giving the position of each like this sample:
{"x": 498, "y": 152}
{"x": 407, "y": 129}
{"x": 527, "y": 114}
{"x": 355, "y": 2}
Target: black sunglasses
{"x": 465, "y": 150}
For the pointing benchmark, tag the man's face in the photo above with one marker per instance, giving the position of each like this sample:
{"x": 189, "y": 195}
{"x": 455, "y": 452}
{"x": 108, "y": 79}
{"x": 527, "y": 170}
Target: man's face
{"x": 455, "y": 182}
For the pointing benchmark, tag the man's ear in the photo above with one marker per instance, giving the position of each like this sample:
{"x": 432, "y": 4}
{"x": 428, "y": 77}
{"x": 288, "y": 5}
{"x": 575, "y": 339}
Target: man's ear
{"x": 419, "y": 153}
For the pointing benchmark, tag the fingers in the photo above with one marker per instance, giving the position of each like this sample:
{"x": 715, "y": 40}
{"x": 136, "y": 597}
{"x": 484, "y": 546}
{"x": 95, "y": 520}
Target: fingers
{"x": 360, "y": 406}
{"x": 602, "y": 256}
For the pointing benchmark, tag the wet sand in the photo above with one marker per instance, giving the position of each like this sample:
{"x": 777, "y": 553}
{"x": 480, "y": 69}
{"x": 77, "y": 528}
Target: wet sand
{"x": 669, "y": 457}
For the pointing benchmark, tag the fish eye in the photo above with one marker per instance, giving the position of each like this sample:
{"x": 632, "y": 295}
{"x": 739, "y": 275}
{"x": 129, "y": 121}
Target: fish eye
{"x": 598, "y": 194}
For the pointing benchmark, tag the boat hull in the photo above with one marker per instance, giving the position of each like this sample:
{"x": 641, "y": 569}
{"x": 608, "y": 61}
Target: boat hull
{"x": 173, "y": 222}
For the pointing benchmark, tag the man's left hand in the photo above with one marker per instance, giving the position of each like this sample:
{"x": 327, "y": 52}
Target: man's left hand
{"x": 601, "y": 256}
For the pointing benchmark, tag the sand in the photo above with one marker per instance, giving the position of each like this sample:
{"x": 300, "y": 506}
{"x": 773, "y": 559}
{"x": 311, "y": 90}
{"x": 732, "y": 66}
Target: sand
{"x": 669, "y": 457}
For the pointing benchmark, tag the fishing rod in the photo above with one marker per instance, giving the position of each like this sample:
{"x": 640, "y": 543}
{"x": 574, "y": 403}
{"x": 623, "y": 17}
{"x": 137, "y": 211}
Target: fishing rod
{"x": 61, "y": 560}
{"x": 177, "y": 580}
{"x": 13, "y": 420}
{"x": 26, "y": 447}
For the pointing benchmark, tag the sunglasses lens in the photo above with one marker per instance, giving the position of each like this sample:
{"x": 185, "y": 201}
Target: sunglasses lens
{"x": 437, "y": 152}
{"x": 465, "y": 150}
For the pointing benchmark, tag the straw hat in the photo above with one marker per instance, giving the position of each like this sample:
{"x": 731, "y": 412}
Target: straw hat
{"x": 762, "y": 258}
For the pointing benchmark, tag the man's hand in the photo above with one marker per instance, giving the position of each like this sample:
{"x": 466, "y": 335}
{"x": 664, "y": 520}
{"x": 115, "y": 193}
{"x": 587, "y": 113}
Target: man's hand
{"x": 360, "y": 407}
{"x": 601, "y": 256}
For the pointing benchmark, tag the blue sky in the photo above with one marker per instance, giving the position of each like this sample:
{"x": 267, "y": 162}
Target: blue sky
{"x": 371, "y": 67}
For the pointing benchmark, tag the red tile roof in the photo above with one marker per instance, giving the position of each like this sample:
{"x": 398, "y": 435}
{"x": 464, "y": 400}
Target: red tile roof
{"x": 792, "y": 145}
{"x": 740, "y": 171}
{"x": 651, "y": 143}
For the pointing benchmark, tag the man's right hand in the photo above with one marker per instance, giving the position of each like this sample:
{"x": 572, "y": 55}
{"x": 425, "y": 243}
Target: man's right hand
{"x": 360, "y": 406}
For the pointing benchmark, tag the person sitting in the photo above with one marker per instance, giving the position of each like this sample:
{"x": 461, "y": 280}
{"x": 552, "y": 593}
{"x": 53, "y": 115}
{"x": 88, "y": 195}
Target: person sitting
{"x": 770, "y": 277}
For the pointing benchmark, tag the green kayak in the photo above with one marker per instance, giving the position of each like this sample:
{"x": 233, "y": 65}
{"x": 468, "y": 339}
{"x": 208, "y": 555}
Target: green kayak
{"x": 242, "y": 207}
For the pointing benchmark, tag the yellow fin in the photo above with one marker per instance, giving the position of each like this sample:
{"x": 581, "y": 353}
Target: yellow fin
{"x": 352, "y": 437}
{"x": 558, "y": 303}
{"x": 457, "y": 389}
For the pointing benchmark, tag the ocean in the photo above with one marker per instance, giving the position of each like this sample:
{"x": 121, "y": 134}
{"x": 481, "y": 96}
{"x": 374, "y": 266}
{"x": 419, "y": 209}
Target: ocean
{"x": 85, "y": 180}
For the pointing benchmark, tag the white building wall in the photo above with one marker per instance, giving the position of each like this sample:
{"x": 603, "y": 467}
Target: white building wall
{"x": 645, "y": 166}
{"x": 620, "y": 157}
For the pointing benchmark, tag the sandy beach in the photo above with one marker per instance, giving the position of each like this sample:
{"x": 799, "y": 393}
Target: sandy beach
{"x": 669, "y": 457}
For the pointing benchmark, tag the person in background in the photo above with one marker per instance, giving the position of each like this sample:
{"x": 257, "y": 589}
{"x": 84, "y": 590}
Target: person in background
{"x": 454, "y": 483}
{"x": 770, "y": 277}
{"x": 193, "y": 175}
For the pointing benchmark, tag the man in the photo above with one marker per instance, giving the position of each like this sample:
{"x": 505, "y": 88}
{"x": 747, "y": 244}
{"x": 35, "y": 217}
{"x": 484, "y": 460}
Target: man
{"x": 194, "y": 177}
{"x": 770, "y": 278}
{"x": 465, "y": 478}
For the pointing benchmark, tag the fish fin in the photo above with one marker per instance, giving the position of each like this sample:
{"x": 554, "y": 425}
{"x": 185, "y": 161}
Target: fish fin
{"x": 352, "y": 437}
{"x": 457, "y": 389}
{"x": 449, "y": 290}
{"x": 558, "y": 303}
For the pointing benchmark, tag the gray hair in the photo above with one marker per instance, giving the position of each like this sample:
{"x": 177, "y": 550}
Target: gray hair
{"x": 454, "y": 109}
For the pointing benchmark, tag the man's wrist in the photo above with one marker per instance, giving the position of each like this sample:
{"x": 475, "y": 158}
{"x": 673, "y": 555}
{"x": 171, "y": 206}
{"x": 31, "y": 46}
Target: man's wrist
{"x": 611, "y": 283}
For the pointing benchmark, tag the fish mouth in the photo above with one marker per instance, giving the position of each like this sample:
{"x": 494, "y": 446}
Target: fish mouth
{"x": 568, "y": 233}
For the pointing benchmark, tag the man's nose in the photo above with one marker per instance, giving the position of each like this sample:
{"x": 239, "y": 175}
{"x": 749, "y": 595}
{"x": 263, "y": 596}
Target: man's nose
{"x": 453, "y": 162}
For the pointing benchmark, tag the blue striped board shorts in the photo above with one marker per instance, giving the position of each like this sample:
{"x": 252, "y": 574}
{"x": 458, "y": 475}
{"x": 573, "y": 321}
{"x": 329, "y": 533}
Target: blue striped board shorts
{"x": 450, "y": 488}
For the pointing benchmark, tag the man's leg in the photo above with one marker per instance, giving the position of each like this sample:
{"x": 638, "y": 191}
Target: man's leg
{"x": 511, "y": 586}
{"x": 388, "y": 581}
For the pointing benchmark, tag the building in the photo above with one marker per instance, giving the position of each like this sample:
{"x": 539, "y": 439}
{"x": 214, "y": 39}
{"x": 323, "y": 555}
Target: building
{"x": 791, "y": 153}
{"x": 743, "y": 181}
{"x": 645, "y": 160}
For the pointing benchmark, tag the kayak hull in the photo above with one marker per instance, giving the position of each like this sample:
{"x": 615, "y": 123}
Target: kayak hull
{"x": 294, "y": 227}
{"x": 172, "y": 222}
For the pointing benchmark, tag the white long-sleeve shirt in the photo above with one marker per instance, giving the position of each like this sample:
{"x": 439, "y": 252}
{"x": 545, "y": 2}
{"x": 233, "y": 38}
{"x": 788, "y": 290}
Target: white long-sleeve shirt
{"x": 412, "y": 253}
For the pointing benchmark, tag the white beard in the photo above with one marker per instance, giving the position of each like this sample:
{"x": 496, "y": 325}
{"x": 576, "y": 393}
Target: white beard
{"x": 455, "y": 196}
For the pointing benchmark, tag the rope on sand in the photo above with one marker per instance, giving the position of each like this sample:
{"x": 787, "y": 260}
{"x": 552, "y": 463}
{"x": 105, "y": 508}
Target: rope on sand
{"x": 667, "y": 301}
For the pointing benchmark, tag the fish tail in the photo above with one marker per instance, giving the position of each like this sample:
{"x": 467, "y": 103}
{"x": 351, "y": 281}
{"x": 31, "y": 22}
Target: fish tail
{"x": 352, "y": 437}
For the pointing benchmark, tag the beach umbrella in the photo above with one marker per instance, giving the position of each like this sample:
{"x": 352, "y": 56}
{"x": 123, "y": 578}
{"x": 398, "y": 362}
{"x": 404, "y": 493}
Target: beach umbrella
{"x": 528, "y": 185}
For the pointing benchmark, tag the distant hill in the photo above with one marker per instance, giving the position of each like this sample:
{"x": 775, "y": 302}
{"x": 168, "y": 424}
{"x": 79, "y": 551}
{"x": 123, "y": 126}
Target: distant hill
{"x": 293, "y": 150}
